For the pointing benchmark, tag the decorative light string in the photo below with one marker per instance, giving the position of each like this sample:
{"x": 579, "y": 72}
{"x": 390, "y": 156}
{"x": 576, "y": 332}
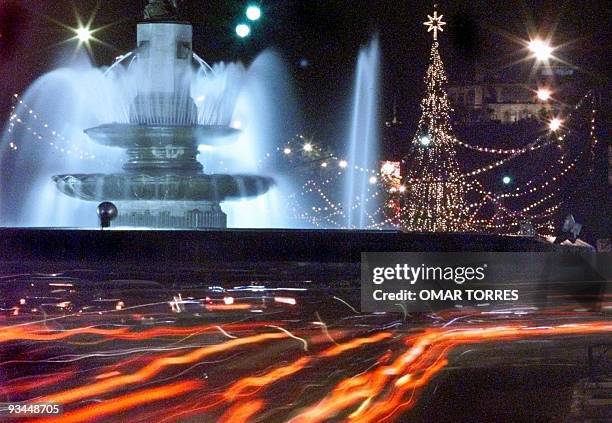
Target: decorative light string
{"x": 536, "y": 145}
{"x": 58, "y": 141}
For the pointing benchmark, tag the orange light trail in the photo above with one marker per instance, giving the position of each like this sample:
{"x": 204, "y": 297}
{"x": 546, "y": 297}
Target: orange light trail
{"x": 126, "y": 402}
{"x": 37, "y": 382}
{"x": 415, "y": 367}
{"x": 107, "y": 375}
{"x": 40, "y": 333}
{"x": 256, "y": 383}
{"x": 153, "y": 368}
{"x": 241, "y": 413}
{"x": 381, "y": 393}
{"x": 355, "y": 343}
{"x": 227, "y": 307}
{"x": 244, "y": 384}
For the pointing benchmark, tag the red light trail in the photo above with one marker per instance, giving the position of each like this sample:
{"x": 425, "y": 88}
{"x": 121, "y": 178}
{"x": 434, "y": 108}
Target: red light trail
{"x": 382, "y": 373}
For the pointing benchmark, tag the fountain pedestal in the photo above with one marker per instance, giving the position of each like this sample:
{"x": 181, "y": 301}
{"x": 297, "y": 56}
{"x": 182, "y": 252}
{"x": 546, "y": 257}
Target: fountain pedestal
{"x": 171, "y": 214}
{"x": 163, "y": 185}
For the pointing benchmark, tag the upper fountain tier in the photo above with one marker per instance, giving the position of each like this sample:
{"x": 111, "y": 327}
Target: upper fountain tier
{"x": 164, "y": 60}
{"x": 163, "y": 133}
{"x": 128, "y": 135}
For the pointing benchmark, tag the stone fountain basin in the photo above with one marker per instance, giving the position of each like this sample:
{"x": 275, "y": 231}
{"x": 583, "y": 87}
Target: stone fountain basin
{"x": 128, "y": 135}
{"x": 126, "y": 187}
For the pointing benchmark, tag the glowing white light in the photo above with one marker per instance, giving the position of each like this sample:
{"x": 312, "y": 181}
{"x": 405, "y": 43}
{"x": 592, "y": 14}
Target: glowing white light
{"x": 253, "y": 13}
{"x": 544, "y": 94}
{"x": 402, "y": 188}
{"x": 343, "y": 164}
{"x": 506, "y": 180}
{"x": 324, "y": 164}
{"x": 228, "y": 300}
{"x": 387, "y": 168}
{"x": 308, "y": 147}
{"x": 285, "y": 300}
{"x": 435, "y": 24}
{"x": 425, "y": 140}
{"x": 243, "y": 30}
{"x": 237, "y": 124}
{"x": 540, "y": 49}
{"x": 287, "y": 150}
{"x": 555, "y": 124}
{"x": 83, "y": 34}
{"x": 373, "y": 179}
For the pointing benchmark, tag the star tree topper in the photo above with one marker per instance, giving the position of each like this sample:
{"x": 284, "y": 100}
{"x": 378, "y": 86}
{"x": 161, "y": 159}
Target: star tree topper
{"x": 434, "y": 24}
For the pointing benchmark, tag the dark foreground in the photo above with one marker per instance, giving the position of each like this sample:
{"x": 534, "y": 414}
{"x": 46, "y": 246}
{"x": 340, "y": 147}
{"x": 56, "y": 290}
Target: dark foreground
{"x": 267, "y": 340}
{"x": 218, "y": 246}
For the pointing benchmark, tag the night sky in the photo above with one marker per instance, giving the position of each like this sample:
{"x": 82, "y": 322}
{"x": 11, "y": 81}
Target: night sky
{"x": 328, "y": 34}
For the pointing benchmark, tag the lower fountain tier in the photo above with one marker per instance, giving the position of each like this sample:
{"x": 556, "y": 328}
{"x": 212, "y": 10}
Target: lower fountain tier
{"x": 134, "y": 187}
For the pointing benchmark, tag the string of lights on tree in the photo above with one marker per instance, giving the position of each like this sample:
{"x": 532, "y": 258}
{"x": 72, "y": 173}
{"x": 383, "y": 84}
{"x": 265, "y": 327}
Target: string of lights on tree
{"x": 434, "y": 199}
{"x": 546, "y": 179}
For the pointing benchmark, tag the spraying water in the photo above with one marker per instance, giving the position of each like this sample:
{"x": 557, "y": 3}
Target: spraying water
{"x": 44, "y": 135}
{"x": 359, "y": 204}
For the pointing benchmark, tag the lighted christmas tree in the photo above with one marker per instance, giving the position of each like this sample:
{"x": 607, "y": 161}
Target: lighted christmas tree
{"x": 434, "y": 198}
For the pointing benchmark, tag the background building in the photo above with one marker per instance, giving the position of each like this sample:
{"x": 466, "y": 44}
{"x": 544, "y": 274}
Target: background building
{"x": 504, "y": 97}
{"x": 503, "y": 102}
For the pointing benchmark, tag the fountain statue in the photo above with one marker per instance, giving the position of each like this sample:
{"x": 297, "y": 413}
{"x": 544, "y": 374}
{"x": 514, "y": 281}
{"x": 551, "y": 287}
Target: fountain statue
{"x": 163, "y": 184}
{"x": 161, "y": 9}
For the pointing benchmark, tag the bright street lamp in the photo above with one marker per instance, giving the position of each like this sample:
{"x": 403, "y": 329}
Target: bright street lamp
{"x": 544, "y": 94}
{"x": 555, "y": 124}
{"x": 540, "y": 49}
{"x": 253, "y": 13}
{"x": 83, "y": 34}
{"x": 243, "y": 30}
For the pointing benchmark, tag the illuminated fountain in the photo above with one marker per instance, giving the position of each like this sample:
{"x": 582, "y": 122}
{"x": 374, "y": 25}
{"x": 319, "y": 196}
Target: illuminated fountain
{"x": 363, "y": 140}
{"x": 163, "y": 184}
